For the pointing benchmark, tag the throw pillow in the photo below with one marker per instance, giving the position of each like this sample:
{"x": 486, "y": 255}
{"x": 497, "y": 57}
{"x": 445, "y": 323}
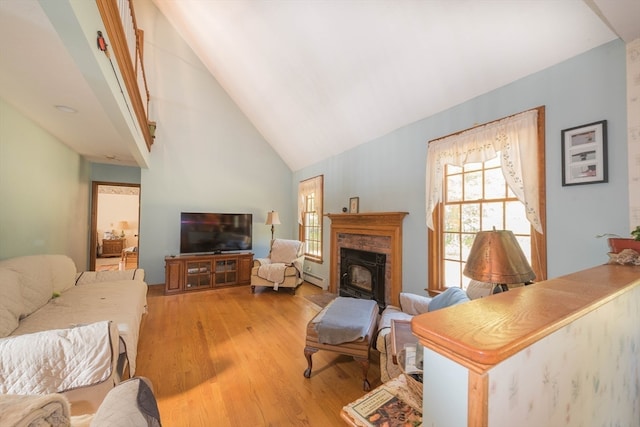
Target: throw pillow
{"x": 451, "y": 296}
{"x": 414, "y": 304}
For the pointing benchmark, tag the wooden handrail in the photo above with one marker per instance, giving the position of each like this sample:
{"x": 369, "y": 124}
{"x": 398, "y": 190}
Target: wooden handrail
{"x": 128, "y": 58}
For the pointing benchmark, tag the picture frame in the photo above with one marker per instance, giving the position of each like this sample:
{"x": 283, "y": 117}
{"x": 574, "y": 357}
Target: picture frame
{"x": 584, "y": 154}
{"x": 354, "y": 204}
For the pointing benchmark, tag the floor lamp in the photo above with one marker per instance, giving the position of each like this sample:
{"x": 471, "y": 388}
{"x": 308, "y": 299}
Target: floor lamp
{"x": 272, "y": 218}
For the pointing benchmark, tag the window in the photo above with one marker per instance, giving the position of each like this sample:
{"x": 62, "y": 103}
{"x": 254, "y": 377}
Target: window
{"x": 476, "y": 196}
{"x": 310, "y": 195}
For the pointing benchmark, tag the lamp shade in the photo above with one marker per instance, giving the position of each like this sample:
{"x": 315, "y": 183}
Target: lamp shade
{"x": 272, "y": 218}
{"x": 122, "y": 225}
{"x": 496, "y": 257}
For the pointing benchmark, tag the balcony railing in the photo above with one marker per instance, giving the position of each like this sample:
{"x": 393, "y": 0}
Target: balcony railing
{"x": 127, "y": 44}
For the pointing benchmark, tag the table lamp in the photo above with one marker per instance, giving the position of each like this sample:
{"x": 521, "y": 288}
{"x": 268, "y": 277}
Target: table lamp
{"x": 122, "y": 225}
{"x": 272, "y": 218}
{"x": 496, "y": 257}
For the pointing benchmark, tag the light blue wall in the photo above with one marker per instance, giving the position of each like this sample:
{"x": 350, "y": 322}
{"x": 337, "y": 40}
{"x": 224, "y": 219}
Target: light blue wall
{"x": 114, "y": 173}
{"x": 43, "y": 192}
{"x": 207, "y": 156}
{"x": 388, "y": 174}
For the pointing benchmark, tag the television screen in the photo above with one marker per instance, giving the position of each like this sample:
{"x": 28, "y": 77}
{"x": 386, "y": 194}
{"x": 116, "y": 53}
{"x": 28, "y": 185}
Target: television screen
{"x": 215, "y": 232}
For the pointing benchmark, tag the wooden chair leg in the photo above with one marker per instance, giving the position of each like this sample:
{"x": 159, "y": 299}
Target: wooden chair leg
{"x": 308, "y": 352}
{"x": 365, "y": 370}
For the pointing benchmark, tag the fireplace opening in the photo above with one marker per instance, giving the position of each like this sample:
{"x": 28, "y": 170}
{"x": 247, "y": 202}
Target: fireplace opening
{"x": 362, "y": 275}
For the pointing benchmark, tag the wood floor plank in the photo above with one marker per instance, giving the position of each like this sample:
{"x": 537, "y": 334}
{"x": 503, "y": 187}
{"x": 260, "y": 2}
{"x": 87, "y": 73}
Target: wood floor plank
{"x": 229, "y": 357}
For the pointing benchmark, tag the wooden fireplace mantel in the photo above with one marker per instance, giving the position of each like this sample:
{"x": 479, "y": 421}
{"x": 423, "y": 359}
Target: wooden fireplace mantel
{"x": 387, "y": 224}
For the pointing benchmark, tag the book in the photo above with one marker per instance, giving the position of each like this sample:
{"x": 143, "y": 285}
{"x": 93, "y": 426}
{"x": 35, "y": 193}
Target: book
{"x": 381, "y": 407}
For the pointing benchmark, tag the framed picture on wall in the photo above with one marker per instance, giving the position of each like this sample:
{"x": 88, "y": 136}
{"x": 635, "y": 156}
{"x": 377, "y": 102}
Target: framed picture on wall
{"x": 584, "y": 154}
{"x": 354, "y": 204}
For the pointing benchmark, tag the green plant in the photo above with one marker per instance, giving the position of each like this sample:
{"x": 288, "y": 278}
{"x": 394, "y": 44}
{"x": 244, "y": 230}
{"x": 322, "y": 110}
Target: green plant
{"x": 636, "y": 233}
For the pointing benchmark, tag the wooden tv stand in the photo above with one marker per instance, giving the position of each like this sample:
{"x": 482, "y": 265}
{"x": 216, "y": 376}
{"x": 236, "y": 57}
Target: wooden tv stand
{"x": 187, "y": 273}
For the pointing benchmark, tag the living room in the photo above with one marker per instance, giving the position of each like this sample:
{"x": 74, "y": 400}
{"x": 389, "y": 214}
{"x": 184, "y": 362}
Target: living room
{"x": 207, "y": 156}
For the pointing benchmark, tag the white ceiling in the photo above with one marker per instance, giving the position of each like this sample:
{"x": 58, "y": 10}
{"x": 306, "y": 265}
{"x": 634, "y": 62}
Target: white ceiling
{"x": 316, "y": 78}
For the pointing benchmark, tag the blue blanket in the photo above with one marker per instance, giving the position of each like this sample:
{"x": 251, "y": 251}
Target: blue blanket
{"x": 345, "y": 320}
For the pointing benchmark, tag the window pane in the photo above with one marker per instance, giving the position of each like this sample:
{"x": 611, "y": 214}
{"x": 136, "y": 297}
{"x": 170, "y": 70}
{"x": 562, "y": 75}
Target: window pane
{"x": 525, "y": 245}
{"x": 492, "y": 216}
{"x": 452, "y": 218}
{"x": 473, "y": 186}
{"x": 452, "y": 274}
{"x": 452, "y": 246}
{"x": 516, "y": 218}
{"x": 471, "y": 217}
{"x": 453, "y": 169}
{"x": 495, "y": 162}
{"x": 472, "y": 167}
{"x": 494, "y": 186}
{"x": 454, "y": 188}
{"x": 467, "y": 242}
{"x": 310, "y": 191}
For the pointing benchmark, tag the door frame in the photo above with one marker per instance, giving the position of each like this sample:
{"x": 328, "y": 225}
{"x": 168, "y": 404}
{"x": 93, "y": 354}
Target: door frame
{"x": 93, "y": 241}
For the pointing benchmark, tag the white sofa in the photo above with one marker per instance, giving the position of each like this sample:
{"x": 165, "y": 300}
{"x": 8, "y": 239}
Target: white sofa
{"x": 67, "y": 332}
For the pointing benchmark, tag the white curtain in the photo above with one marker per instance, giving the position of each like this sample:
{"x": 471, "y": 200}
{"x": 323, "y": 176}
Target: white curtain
{"x": 515, "y": 138}
{"x": 305, "y": 188}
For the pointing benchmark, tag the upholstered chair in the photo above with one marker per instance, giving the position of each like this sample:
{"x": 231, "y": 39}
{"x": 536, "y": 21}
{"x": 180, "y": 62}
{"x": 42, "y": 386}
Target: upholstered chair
{"x": 282, "y": 268}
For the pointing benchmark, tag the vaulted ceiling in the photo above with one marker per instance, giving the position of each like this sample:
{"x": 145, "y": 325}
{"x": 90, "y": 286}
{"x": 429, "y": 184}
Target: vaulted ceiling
{"x": 319, "y": 77}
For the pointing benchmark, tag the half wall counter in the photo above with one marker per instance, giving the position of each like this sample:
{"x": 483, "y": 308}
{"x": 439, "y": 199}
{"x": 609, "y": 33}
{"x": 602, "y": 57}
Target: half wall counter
{"x": 563, "y": 351}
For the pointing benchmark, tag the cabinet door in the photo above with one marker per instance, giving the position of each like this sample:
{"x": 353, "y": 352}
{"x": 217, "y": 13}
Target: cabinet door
{"x": 226, "y": 271}
{"x": 173, "y": 277}
{"x": 198, "y": 275}
{"x": 244, "y": 268}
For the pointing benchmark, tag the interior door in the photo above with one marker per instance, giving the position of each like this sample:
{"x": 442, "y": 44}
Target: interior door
{"x": 115, "y": 225}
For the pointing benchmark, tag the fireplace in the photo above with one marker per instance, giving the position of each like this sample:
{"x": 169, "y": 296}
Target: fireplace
{"x": 362, "y": 275}
{"x": 377, "y": 232}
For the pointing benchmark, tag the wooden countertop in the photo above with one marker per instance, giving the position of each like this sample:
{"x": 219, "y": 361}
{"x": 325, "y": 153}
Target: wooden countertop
{"x": 486, "y": 331}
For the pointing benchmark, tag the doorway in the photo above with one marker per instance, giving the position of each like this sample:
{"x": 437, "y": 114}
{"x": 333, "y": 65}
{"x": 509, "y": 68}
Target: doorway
{"x": 115, "y": 224}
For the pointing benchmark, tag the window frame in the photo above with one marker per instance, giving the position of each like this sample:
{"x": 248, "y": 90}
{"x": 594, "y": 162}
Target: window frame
{"x": 302, "y": 227}
{"x": 435, "y": 239}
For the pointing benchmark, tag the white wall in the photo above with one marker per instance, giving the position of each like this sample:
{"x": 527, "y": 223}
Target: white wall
{"x": 43, "y": 192}
{"x": 388, "y": 174}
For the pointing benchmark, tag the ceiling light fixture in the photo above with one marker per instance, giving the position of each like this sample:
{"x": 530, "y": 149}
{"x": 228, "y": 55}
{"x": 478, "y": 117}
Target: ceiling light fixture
{"x": 66, "y": 109}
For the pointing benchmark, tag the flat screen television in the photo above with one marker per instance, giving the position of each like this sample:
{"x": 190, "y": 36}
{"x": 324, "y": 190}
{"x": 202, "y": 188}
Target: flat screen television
{"x": 215, "y": 232}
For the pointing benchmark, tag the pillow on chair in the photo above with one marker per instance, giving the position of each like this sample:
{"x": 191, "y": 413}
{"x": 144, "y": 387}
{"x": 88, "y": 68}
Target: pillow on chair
{"x": 414, "y": 304}
{"x": 285, "y": 250}
{"x": 451, "y": 296}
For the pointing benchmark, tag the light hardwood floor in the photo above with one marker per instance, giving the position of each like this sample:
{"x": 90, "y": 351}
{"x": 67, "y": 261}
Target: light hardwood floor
{"x": 228, "y": 357}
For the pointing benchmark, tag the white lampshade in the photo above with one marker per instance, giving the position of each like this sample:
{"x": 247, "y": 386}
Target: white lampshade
{"x": 272, "y": 218}
{"x": 122, "y": 225}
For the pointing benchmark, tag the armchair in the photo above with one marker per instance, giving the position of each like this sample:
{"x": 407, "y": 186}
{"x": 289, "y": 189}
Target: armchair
{"x": 282, "y": 268}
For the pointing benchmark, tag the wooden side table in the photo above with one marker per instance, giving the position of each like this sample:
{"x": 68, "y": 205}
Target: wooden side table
{"x": 112, "y": 247}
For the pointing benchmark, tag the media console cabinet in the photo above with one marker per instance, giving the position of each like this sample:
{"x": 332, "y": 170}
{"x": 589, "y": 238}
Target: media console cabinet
{"x": 187, "y": 273}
